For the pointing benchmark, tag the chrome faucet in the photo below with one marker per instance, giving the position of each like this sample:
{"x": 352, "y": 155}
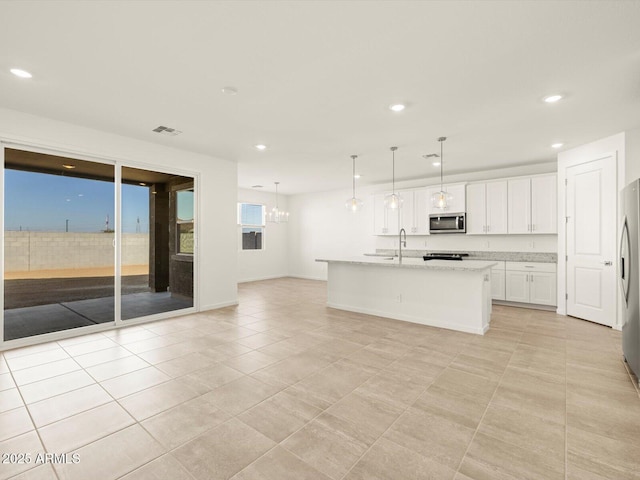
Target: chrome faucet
{"x": 402, "y": 244}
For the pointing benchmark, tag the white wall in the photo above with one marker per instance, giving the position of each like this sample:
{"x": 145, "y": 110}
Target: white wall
{"x": 217, "y": 188}
{"x": 271, "y": 262}
{"x": 320, "y": 226}
{"x": 632, "y": 151}
{"x": 614, "y": 144}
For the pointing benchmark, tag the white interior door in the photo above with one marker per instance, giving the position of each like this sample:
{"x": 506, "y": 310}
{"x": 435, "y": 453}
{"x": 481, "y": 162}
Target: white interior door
{"x": 591, "y": 240}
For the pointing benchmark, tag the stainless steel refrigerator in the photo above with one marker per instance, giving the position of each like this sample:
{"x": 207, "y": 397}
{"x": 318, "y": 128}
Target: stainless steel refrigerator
{"x": 630, "y": 275}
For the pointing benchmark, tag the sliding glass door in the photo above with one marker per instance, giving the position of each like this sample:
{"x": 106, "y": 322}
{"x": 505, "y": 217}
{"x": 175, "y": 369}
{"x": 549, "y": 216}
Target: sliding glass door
{"x": 58, "y": 243}
{"x": 157, "y": 242}
{"x": 60, "y": 221}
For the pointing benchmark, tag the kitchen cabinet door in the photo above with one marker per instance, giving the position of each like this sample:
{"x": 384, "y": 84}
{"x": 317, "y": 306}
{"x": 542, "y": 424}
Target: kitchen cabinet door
{"x": 379, "y": 215}
{"x": 407, "y": 212}
{"x": 517, "y": 286}
{"x": 498, "y": 284}
{"x": 458, "y": 202}
{"x": 476, "y": 209}
{"x": 385, "y": 220}
{"x": 544, "y": 205}
{"x": 519, "y": 205}
{"x": 542, "y": 288}
{"x": 496, "y": 208}
{"x": 421, "y": 211}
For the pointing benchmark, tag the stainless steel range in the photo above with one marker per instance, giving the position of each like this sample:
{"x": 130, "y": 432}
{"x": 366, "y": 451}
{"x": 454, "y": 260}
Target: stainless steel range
{"x": 445, "y": 256}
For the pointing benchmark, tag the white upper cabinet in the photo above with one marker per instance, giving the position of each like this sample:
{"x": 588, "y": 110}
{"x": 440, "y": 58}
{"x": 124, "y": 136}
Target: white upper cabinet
{"x": 533, "y": 205}
{"x": 385, "y": 220}
{"x": 458, "y": 201}
{"x": 413, "y": 211}
{"x": 476, "y": 209}
{"x": 520, "y": 205}
{"x": 544, "y": 204}
{"x": 497, "y": 207}
{"x": 487, "y": 208}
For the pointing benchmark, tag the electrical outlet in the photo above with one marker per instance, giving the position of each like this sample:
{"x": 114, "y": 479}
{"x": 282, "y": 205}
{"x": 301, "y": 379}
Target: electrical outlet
{"x": 399, "y": 298}
{"x": 532, "y": 245}
{"x": 425, "y": 243}
{"x": 487, "y": 245}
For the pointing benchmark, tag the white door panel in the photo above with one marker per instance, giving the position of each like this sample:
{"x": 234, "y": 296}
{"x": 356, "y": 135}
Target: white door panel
{"x": 591, "y": 240}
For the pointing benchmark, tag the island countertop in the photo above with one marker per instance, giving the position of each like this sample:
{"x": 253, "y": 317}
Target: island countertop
{"x": 413, "y": 263}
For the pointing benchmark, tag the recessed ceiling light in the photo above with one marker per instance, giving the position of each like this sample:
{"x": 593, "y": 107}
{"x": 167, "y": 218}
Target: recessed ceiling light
{"x": 552, "y": 98}
{"x": 397, "y": 107}
{"x": 18, "y": 72}
{"x": 142, "y": 184}
{"x": 436, "y": 164}
{"x": 260, "y": 146}
{"x": 257, "y": 186}
{"x": 230, "y": 90}
{"x": 557, "y": 145}
{"x": 68, "y": 166}
{"x": 357, "y": 176}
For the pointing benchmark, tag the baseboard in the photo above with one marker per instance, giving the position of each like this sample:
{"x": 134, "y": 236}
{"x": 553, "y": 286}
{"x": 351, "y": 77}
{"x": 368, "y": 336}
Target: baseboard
{"x": 308, "y": 277}
{"x": 258, "y": 279}
{"x": 214, "y": 306}
{"x": 532, "y": 306}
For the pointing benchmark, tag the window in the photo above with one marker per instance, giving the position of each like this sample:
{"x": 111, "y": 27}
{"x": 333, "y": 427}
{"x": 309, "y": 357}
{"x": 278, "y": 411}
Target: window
{"x": 184, "y": 219}
{"x": 251, "y": 220}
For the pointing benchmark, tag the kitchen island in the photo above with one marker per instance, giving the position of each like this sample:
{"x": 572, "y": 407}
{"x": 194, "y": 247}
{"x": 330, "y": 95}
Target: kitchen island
{"x": 440, "y": 293}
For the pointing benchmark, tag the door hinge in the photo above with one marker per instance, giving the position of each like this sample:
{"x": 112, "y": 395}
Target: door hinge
{"x": 566, "y": 296}
{"x": 566, "y": 258}
{"x": 566, "y": 182}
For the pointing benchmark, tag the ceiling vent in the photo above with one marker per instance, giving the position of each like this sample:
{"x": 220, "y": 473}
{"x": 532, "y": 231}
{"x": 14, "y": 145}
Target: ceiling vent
{"x": 172, "y": 132}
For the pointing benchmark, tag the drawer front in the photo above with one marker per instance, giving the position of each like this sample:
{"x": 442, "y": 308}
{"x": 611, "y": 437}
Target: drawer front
{"x": 531, "y": 267}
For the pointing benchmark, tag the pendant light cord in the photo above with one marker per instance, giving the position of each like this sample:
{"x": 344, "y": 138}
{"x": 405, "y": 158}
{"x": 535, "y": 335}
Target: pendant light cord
{"x": 441, "y": 139}
{"x": 353, "y": 157}
{"x": 441, "y": 165}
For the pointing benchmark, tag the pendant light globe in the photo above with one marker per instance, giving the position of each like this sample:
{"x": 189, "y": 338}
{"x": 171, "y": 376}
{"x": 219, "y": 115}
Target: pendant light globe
{"x": 442, "y": 199}
{"x": 393, "y": 201}
{"x": 353, "y": 204}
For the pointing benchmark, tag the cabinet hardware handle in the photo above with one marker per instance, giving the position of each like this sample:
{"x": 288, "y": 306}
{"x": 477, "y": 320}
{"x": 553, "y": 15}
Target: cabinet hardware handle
{"x": 532, "y": 278}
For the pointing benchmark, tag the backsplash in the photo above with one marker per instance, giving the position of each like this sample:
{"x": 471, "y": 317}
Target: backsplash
{"x": 543, "y": 257}
{"x": 465, "y": 243}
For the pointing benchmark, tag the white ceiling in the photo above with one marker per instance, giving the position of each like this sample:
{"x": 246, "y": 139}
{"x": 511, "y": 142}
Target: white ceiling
{"x": 315, "y": 79}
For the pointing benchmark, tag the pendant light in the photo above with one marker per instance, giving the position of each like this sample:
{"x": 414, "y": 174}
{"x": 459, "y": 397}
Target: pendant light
{"x": 276, "y": 215}
{"x": 353, "y": 204}
{"x": 441, "y": 199}
{"x": 393, "y": 200}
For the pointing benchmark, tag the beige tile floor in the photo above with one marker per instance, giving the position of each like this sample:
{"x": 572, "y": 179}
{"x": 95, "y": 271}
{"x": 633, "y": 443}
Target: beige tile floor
{"x": 282, "y": 387}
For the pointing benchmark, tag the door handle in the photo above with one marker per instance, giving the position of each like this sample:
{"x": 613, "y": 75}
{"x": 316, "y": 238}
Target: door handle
{"x": 608, "y": 263}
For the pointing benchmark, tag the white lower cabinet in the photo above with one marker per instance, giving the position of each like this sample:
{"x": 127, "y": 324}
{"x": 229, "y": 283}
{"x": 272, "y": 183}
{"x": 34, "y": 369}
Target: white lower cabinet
{"x": 530, "y": 283}
{"x": 498, "y": 288}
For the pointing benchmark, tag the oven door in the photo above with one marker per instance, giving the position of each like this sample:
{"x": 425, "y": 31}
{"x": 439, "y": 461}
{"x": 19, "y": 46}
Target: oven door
{"x": 447, "y": 223}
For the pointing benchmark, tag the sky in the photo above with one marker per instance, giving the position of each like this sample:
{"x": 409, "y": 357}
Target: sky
{"x": 43, "y": 202}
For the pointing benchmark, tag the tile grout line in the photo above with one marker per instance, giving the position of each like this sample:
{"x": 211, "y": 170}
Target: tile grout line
{"x": 488, "y": 404}
{"x": 279, "y": 444}
{"x": 399, "y": 416}
{"x": 33, "y": 423}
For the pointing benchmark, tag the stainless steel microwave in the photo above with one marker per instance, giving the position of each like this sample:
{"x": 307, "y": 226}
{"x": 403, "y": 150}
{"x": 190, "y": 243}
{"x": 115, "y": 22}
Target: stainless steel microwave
{"x": 447, "y": 223}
